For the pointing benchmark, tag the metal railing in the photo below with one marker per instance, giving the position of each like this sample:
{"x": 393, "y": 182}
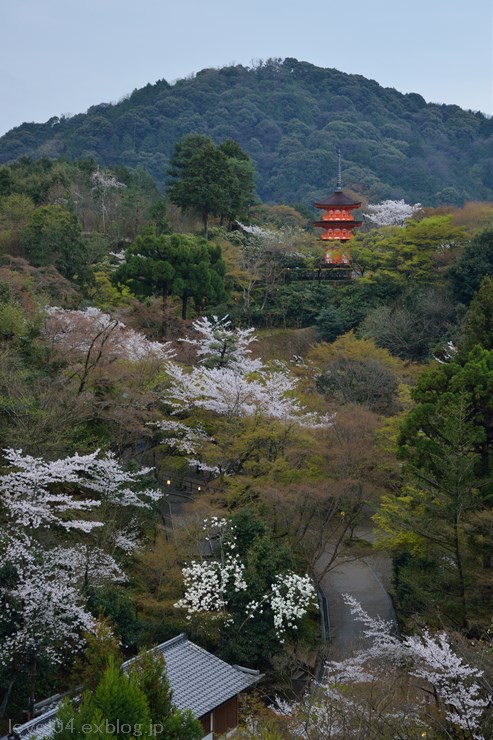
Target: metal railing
{"x": 325, "y": 625}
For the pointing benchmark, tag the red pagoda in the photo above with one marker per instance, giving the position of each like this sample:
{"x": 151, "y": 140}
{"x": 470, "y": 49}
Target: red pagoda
{"x": 337, "y": 224}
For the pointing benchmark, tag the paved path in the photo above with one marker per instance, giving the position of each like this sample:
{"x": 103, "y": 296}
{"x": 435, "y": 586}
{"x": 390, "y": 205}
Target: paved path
{"x": 364, "y": 579}
{"x": 178, "y": 491}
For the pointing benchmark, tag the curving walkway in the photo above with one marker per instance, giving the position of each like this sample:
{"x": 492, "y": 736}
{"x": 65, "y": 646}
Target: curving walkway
{"x": 364, "y": 579}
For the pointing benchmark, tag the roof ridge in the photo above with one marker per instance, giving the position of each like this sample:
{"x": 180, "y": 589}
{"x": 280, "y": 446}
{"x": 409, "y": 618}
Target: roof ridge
{"x": 251, "y": 671}
{"x": 156, "y": 649}
{"x": 172, "y": 641}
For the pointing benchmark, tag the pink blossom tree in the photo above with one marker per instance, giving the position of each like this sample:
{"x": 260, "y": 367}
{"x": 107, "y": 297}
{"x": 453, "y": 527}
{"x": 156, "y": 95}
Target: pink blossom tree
{"x": 90, "y": 340}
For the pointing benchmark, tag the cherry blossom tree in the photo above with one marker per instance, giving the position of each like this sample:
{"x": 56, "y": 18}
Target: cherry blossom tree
{"x": 90, "y": 339}
{"x": 373, "y": 690}
{"x": 85, "y": 565}
{"x": 45, "y": 581}
{"x": 391, "y": 212}
{"x": 228, "y": 384}
{"x": 36, "y": 493}
{"x": 232, "y": 392}
{"x": 104, "y": 184}
{"x": 219, "y": 345}
{"x": 43, "y": 615}
{"x": 446, "y": 353}
{"x": 261, "y": 253}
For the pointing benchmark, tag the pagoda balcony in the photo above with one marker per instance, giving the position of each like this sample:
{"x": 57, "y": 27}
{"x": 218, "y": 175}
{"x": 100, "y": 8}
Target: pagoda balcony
{"x": 336, "y": 216}
{"x": 348, "y": 223}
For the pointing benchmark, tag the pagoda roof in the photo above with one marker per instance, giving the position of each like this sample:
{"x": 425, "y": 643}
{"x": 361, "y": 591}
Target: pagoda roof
{"x": 335, "y": 224}
{"x": 338, "y": 198}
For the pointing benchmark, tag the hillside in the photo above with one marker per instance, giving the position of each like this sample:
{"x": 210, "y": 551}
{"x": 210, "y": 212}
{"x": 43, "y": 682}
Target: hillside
{"x": 195, "y": 433}
{"x": 290, "y": 117}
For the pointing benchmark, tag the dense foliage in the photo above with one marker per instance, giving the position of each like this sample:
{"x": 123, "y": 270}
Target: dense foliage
{"x": 289, "y": 117}
{"x": 196, "y": 433}
{"x": 127, "y": 703}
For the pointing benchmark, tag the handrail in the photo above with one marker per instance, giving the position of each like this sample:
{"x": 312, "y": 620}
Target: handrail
{"x": 324, "y": 611}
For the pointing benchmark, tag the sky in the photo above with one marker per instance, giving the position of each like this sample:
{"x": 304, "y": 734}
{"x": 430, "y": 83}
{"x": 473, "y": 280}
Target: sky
{"x": 62, "y": 56}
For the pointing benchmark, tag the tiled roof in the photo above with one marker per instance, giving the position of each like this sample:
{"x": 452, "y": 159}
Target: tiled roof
{"x": 39, "y": 727}
{"x": 338, "y": 198}
{"x": 201, "y": 681}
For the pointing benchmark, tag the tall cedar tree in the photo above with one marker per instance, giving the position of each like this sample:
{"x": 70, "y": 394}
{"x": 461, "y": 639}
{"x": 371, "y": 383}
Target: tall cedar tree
{"x": 212, "y": 180}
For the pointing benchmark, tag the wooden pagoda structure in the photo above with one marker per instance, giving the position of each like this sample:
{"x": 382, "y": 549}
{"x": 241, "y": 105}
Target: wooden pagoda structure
{"x": 337, "y": 223}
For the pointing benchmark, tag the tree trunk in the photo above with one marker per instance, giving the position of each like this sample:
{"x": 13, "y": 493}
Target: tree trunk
{"x": 32, "y": 691}
{"x": 206, "y": 224}
{"x": 184, "y": 301}
{"x": 485, "y": 458}
{"x": 164, "y": 314}
{"x": 6, "y": 694}
{"x": 460, "y": 571}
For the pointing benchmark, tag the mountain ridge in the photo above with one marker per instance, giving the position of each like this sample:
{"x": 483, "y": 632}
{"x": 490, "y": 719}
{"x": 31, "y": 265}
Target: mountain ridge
{"x": 290, "y": 117}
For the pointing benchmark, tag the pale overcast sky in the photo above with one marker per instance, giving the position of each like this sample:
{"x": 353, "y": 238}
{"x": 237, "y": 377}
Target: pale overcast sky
{"x": 62, "y": 56}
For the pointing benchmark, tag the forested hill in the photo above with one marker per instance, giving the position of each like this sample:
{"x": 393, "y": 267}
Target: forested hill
{"x": 290, "y": 117}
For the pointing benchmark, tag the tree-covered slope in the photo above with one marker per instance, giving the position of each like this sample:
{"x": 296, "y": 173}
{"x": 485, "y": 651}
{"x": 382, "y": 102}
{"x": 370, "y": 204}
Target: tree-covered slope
{"x": 290, "y": 117}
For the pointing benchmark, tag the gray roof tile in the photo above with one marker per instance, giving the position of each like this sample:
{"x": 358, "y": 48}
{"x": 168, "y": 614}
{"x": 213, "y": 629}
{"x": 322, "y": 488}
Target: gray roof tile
{"x": 201, "y": 681}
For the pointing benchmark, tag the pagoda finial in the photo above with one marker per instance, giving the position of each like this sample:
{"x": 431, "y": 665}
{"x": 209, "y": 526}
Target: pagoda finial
{"x": 339, "y": 173}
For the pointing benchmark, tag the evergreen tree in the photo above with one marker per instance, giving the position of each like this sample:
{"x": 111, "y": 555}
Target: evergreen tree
{"x": 149, "y": 670}
{"x": 136, "y": 702}
{"x": 118, "y": 705}
{"x": 149, "y": 267}
{"x": 475, "y": 262}
{"x": 440, "y": 522}
{"x": 210, "y": 180}
{"x": 478, "y": 325}
{"x": 54, "y": 236}
{"x": 241, "y": 194}
{"x": 178, "y": 265}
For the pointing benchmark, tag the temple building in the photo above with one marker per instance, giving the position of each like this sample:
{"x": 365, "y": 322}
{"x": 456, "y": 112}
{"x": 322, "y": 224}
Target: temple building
{"x": 337, "y": 224}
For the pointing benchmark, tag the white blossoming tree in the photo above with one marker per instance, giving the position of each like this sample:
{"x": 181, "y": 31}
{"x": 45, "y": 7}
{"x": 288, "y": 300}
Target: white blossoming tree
{"x": 417, "y": 686}
{"x": 90, "y": 340}
{"x": 228, "y": 384}
{"x": 37, "y": 494}
{"x": 104, "y": 186}
{"x": 391, "y": 212}
{"x": 218, "y": 345}
{"x": 42, "y": 617}
{"x": 51, "y": 551}
{"x": 227, "y": 392}
{"x": 262, "y": 253}
{"x": 212, "y": 586}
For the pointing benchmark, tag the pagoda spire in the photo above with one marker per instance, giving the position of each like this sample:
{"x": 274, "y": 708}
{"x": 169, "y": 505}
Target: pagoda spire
{"x": 339, "y": 173}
